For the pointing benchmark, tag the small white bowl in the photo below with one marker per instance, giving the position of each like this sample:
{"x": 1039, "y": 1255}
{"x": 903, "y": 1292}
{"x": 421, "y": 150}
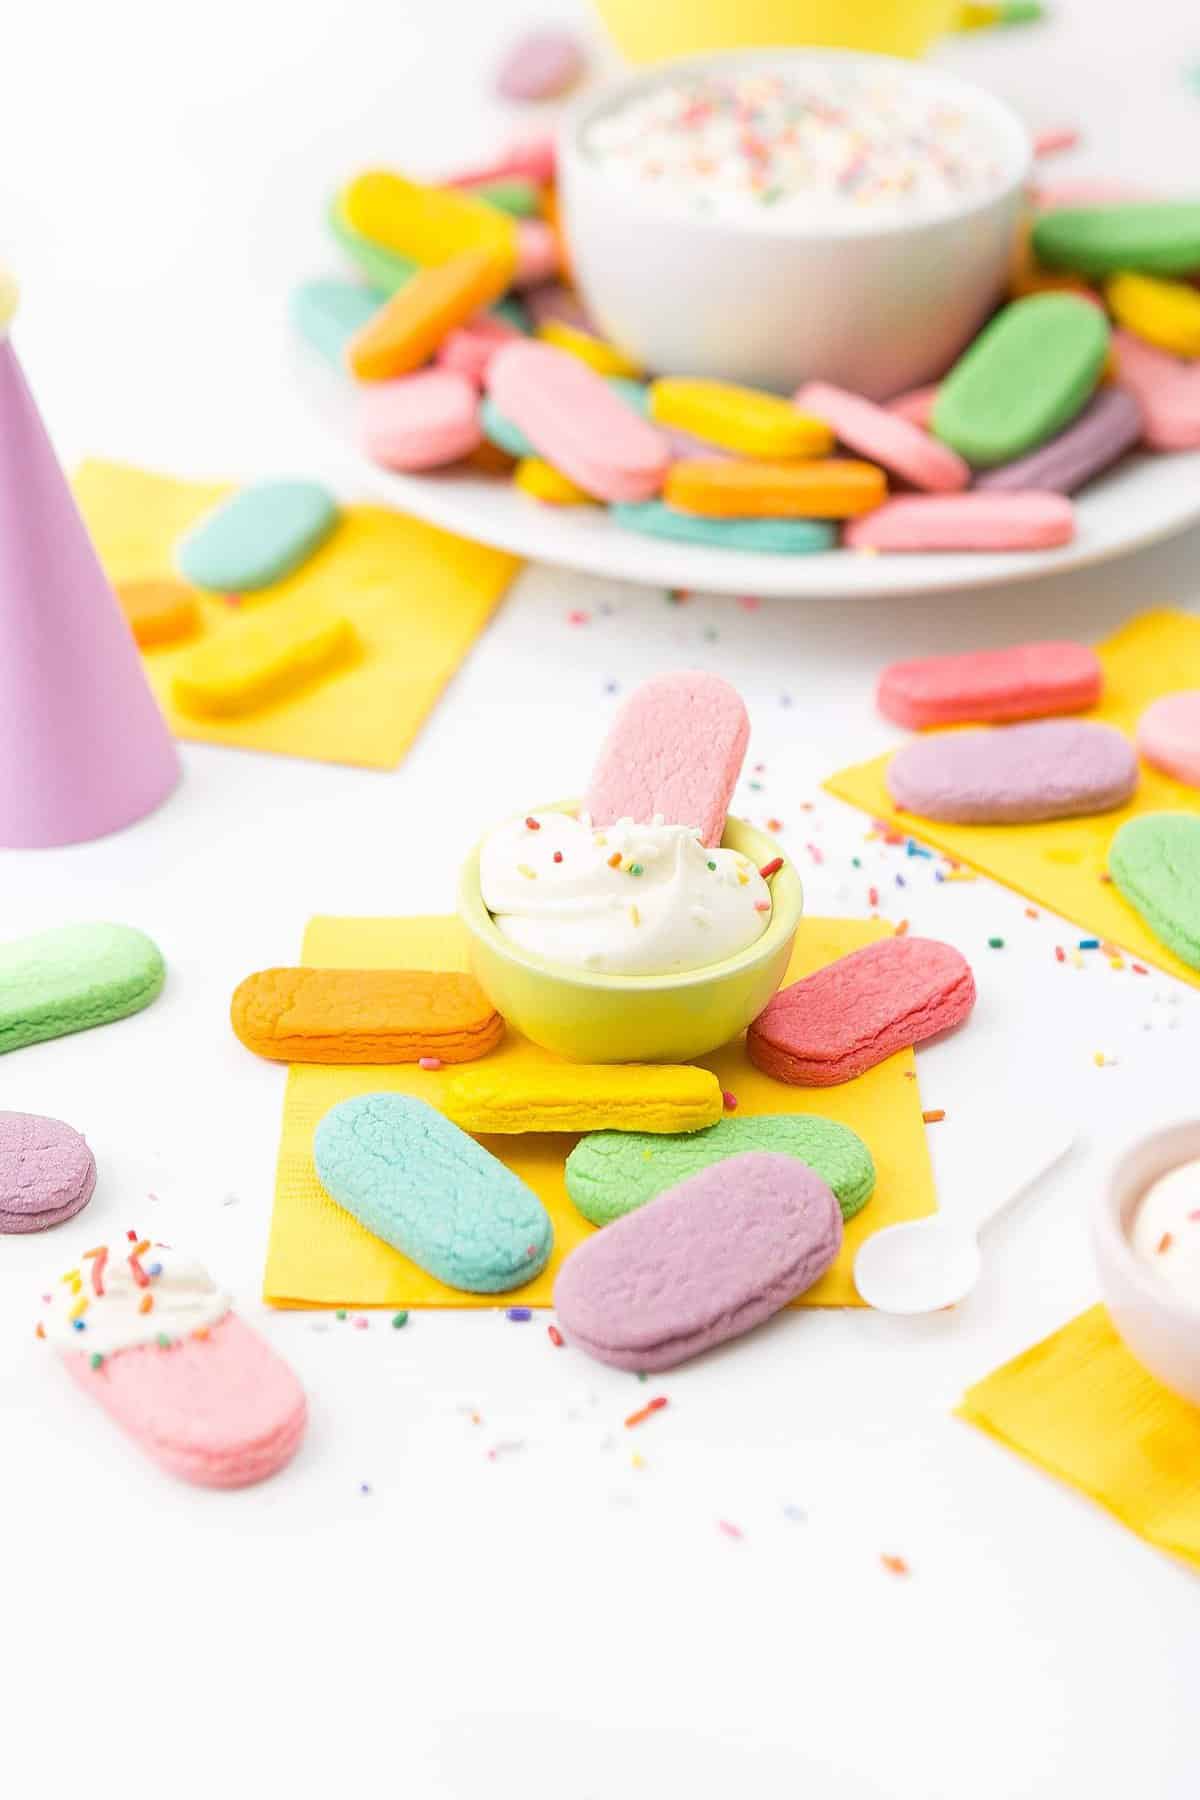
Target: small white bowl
{"x": 876, "y": 307}
{"x": 1159, "y": 1326}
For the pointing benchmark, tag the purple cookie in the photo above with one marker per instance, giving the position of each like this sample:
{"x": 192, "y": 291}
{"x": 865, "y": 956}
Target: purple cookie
{"x": 554, "y": 303}
{"x": 1053, "y": 769}
{"x": 1107, "y": 427}
{"x": 47, "y": 1172}
{"x": 703, "y": 1262}
{"x": 540, "y": 65}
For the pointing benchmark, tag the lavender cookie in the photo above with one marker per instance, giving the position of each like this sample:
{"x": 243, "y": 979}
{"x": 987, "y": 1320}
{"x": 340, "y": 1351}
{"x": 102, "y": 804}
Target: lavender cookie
{"x": 705, "y": 1261}
{"x": 47, "y": 1172}
{"x": 1107, "y": 427}
{"x": 1054, "y": 769}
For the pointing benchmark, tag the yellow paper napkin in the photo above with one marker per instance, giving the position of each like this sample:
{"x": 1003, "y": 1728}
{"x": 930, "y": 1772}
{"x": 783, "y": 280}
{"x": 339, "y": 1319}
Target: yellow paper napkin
{"x": 319, "y": 1256}
{"x": 1061, "y": 863}
{"x": 1080, "y": 1406}
{"x": 416, "y": 596}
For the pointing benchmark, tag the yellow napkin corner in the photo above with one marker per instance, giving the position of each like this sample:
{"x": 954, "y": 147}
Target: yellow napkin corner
{"x": 1080, "y": 1406}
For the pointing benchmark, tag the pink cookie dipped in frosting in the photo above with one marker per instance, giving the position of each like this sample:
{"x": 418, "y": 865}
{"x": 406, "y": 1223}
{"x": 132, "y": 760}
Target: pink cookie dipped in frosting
{"x": 884, "y": 436}
{"x": 702, "y": 1263}
{"x": 1015, "y": 774}
{"x": 858, "y": 1011}
{"x": 422, "y": 421}
{"x": 47, "y": 1172}
{"x": 575, "y": 420}
{"x": 973, "y": 521}
{"x": 675, "y": 751}
{"x": 1166, "y": 389}
{"x": 991, "y": 687}
{"x": 143, "y": 1329}
{"x": 1168, "y": 735}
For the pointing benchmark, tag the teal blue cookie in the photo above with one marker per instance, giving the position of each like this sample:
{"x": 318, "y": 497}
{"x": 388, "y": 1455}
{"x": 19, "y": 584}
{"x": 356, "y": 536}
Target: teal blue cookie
{"x": 610, "y": 1173}
{"x": 328, "y": 313}
{"x": 1154, "y": 861}
{"x": 416, "y": 1181}
{"x": 786, "y": 537}
{"x": 501, "y": 431}
{"x": 383, "y": 269}
{"x": 257, "y": 536}
{"x": 634, "y": 393}
{"x": 73, "y": 978}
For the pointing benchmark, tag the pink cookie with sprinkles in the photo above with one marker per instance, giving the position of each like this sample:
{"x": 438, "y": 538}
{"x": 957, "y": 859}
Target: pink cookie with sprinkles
{"x": 883, "y": 436}
{"x": 144, "y": 1330}
{"x": 675, "y": 751}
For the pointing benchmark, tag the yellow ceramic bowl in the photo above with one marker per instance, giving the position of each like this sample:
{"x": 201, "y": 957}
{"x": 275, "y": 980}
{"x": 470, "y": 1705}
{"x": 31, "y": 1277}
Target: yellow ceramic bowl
{"x": 649, "y": 30}
{"x": 635, "y": 1018}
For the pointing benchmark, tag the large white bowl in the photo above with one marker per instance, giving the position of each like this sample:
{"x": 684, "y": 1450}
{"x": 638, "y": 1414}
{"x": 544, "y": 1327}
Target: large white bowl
{"x": 877, "y": 308}
{"x": 1161, "y": 1327}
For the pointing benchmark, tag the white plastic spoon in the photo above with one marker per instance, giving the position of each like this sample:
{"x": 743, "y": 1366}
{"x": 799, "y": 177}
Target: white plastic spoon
{"x": 926, "y": 1264}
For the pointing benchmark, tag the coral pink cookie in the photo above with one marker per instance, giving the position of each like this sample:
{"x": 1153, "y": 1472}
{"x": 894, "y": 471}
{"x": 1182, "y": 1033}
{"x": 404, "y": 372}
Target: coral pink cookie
{"x": 675, "y": 750}
{"x": 421, "y": 421}
{"x": 882, "y": 436}
{"x": 145, "y": 1331}
{"x": 575, "y": 420}
{"x": 47, "y": 1172}
{"x": 916, "y": 406}
{"x": 528, "y": 159}
{"x": 1168, "y": 735}
{"x": 1022, "y": 521}
{"x": 538, "y": 257}
{"x": 987, "y": 687}
{"x": 470, "y": 348}
{"x": 1166, "y": 389}
{"x": 860, "y": 1010}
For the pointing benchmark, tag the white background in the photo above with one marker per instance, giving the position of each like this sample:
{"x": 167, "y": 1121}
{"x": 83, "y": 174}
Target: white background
{"x": 554, "y": 1621}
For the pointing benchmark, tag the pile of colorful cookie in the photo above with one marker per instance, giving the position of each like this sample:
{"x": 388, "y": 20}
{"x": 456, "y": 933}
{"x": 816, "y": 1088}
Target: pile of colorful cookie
{"x": 468, "y": 346}
{"x": 1042, "y": 767}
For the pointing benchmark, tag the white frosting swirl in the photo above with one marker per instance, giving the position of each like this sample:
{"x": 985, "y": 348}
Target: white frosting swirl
{"x": 183, "y": 1298}
{"x": 1166, "y": 1229}
{"x": 624, "y": 899}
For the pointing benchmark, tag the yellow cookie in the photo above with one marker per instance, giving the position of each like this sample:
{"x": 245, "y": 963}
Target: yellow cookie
{"x": 740, "y": 419}
{"x": 1163, "y": 313}
{"x": 428, "y": 224}
{"x": 261, "y": 659}
{"x": 605, "y": 358}
{"x": 548, "y": 484}
{"x": 584, "y": 1097}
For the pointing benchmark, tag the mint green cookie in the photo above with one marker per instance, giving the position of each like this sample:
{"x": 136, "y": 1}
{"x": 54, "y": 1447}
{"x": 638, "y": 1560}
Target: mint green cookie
{"x": 384, "y": 269}
{"x": 1026, "y": 376}
{"x": 73, "y": 978}
{"x": 1159, "y": 238}
{"x": 1154, "y": 861}
{"x": 501, "y": 431}
{"x": 328, "y": 313}
{"x": 787, "y": 537}
{"x": 634, "y": 393}
{"x": 257, "y": 536}
{"x": 519, "y": 199}
{"x": 610, "y": 1173}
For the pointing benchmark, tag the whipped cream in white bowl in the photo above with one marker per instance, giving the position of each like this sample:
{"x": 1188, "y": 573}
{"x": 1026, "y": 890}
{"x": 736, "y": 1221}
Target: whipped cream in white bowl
{"x": 625, "y": 899}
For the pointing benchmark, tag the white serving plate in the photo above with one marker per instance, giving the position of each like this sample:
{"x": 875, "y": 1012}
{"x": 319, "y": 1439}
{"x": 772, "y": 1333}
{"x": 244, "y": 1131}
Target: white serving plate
{"x": 1144, "y": 498}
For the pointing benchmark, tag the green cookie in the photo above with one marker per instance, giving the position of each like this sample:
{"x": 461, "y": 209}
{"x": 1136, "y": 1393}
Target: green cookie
{"x": 1155, "y": 863}
{"x": 610, "y": 1173}
{"x": 520, "y": 199}
{"x": 1158, "y": 239}
{"x": 1025, "y": 377}
{"x": 73, "y": 978}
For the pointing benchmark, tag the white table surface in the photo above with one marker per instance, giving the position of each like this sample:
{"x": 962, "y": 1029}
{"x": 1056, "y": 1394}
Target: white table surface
{"x": 552, "y": 1621}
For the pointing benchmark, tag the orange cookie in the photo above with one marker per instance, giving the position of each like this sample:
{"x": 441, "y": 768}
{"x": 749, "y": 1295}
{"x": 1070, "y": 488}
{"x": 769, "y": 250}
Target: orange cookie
{"x": 829, "y": 488}
{"x": 364, "y": 1016}
{"x": 408, "y": 328}
{"x": 159, "y": 611}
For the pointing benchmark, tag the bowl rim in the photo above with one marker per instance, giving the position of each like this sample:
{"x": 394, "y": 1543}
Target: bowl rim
{"x": 1117, "y": 1198}
{"x": 1013, "y": 135}
{"x": 781, "y": 929}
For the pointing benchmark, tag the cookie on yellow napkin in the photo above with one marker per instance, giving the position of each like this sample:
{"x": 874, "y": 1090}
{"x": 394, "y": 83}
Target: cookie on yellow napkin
{"x": 584, "y": 1097}
{"x": 1082, "y": 1408}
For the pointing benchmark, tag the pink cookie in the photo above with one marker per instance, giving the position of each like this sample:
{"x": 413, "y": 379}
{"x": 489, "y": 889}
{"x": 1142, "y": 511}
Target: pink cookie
{"x": 147, "y": 1334}
{"x": 882, "y": 436}
{"x": 987, "y": 687}
{"x": 1056, "y": 195}
{"x": 1168, "y": 735}
{"x": 538, "y": 257}
{"x": 675, "y": 748}
{"x": 422, "y": 421}
{"x": 1166, "y": 389}
{"x": 555, "y": 303}
{"x": 1021, "y": 521}
{"x": 47, "y": 1172}
{"x": 575, "y": 420}
{"x": 916, "y": 406}
{"x": 469, "y": 349}
{"x": 860, "y": 1010}
{"x": 1015, "y": 774}
{"x": 528, "y": 159}
{"x": 702, "y": 1263}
